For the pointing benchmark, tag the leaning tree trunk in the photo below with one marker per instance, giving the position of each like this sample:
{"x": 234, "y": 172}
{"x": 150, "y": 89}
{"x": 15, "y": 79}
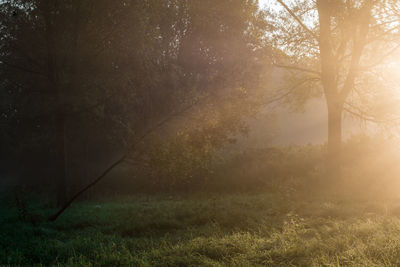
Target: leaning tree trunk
{"x": 334, "y": 139}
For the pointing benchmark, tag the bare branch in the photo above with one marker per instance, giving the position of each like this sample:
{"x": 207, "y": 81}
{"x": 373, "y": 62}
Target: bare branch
{"x": 297, "y": 19}
{"x": 66, "y": 205}
{"x": 297, "y": 68}
{"x": 381, "y": 59}
{"x": 22, "y": 69}
{"x": 122, "y": 158}
{"x": 91, "y": 107}
{"x": 364, "y": 116}
{"x": 358, "y": 48}
{"x": 387, "y": 32}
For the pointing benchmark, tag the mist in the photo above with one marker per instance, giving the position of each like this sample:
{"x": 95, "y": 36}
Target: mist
{"x": 199, "y": 133}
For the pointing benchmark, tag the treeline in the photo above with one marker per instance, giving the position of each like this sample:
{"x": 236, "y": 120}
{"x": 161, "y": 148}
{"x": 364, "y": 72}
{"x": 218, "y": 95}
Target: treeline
{"x": 164, "y": 83}
{"x": 160, "y": 87}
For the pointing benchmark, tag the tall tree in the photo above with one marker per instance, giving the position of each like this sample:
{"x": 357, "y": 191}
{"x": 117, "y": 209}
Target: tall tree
{"x": 123, "y": 68}
{"x": 333, "y": 44}
{"x": 56, "y": 66}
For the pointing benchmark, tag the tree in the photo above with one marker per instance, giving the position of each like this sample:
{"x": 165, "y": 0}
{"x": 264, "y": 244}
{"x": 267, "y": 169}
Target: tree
{"x": 125, "y": 69}
{"x": 333, "y": 42}
{"x": 43, "y": 56}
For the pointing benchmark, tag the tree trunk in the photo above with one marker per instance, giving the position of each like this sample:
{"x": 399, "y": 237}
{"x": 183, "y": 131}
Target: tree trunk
{"x": 334, "y": 139}
{"x": 48, "y": 8}
{"x": 61, "y": 159}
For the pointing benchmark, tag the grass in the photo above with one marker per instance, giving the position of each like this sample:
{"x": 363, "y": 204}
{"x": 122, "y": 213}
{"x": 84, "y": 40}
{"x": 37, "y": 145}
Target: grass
{"x": 226, "y": 230}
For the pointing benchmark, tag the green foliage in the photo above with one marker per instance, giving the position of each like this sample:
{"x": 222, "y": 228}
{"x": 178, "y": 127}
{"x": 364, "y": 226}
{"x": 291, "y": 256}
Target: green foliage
{"x": 120, "y": 69}
{"x": 180, "y": 162}
{"x": 185, "y": 163}
{"x": 285, "y": 168}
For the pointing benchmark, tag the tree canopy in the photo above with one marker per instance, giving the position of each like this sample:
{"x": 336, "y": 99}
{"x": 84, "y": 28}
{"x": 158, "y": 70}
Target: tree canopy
{"x": 88, "y": 80}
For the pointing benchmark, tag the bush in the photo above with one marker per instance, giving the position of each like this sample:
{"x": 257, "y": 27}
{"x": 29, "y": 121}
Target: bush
{"x": 281, "y": 168}
{"x": 179, "y": 164}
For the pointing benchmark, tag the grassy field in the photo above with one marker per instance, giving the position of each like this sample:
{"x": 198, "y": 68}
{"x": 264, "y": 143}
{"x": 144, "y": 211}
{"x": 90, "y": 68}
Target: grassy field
{"x": 224, "y": 230}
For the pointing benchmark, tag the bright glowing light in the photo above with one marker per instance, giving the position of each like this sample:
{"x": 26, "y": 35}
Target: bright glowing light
{"x": 267, "y": 3}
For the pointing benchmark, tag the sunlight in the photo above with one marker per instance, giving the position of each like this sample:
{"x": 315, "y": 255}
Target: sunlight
{"x": 199, "y": 133}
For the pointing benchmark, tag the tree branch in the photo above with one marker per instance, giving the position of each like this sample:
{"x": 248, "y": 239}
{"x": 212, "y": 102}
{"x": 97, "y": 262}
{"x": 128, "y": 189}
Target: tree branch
{"x": 95, "y": 181}
{"x": 121, "y": 159}
{"x": 358, "y": 47}
{"x": 297, "y": 19}
{"x": 364, "y": 116}
{"x": 297, "y": 68}
{"x": 23, "y": 69}
{"x": 381, "y": 59}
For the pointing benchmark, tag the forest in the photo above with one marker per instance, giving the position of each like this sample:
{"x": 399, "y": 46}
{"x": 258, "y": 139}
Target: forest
{"x": 199, "y": 133}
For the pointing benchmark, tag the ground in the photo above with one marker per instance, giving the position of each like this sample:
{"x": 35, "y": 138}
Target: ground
{"x": 215, "y": 230}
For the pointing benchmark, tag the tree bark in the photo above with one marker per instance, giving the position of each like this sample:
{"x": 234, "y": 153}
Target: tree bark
{"x": 334, "y": 139}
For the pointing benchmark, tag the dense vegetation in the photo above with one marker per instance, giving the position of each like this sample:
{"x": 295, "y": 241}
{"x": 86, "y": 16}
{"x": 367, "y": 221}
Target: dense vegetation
{"x": 158, "y": 83}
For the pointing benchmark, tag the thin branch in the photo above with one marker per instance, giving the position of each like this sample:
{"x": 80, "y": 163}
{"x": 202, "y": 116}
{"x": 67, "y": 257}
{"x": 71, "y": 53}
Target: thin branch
{"x": 124, "y": 157}
{"x": 384, "y": 23}
{"x": 91, "y": 107}
{"x": 379, "y": 37}
{"x": 18, "y": 49}
{"x": 121, "y": 159}
{"x": 297, "y": 68}
{"x": 297, "y": 19}
{"x": 48, "y": 115}
{"x": 22, "y": 69}
{"x": 364, "y": 116}
{"x": 381, "y": 59}
{"x": 358, "y": 47}
{"x": 289, "y": 91}
{"x": 69, "y": 202}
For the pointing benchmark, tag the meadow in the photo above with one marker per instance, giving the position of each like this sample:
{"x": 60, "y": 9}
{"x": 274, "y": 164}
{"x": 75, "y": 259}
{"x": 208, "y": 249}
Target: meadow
{"x": 263, "y": 229}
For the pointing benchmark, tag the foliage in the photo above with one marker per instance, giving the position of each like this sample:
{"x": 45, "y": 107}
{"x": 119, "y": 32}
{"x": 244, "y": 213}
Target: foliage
{"x": 282, "y": 168}
{"x": 180, "y": 166}
{"x": 369, "y": 168}
{"x": 96, "y": 85}
{"x": 180, "y": 163}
